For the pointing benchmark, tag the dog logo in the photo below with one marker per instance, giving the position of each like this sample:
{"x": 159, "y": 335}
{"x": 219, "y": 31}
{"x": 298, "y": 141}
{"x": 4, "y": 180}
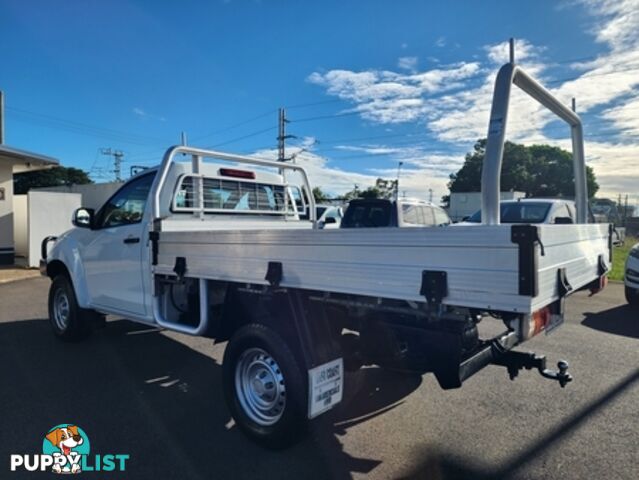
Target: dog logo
{"x": 67, "y": 444}
{"x": 66, "y": 450}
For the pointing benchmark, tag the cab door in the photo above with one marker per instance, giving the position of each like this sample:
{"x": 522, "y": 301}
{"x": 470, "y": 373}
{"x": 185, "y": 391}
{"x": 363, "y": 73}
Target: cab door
{"x": 112, "y": 259}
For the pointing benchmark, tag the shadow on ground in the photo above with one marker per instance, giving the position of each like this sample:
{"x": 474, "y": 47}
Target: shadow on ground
{"x": 140, "y": 392}
{"x": 620, "y": 320}
{"x": 137, "y": 391}
{"x": 442, "y": 465}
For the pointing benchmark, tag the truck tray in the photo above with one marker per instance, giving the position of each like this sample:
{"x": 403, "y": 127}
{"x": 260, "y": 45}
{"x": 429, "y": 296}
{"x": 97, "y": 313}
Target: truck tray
{"x": 513, "y": 268}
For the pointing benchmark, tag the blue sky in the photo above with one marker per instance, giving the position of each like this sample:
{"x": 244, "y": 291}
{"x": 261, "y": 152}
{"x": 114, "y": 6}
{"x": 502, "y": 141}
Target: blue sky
{"x": 366, "y": 83}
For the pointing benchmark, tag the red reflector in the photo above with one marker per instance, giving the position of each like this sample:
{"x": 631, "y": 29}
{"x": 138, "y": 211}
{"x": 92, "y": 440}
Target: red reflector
{"x": 603, "y": 281}
{"x": 541, "y": 318}
{"x": 231, "y": 172}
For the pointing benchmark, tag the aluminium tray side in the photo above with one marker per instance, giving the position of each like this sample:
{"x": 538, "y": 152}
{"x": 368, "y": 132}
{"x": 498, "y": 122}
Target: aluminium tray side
{"x": 481, "y": 261}
{"x": 578, "y": 252}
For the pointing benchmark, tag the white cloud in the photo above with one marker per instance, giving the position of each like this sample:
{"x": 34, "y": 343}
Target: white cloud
{"x": 421, "y": 172}
{"x": 145, "y": 115}
{"x": 407, "y": 63}
{"x": 624, "y": 117}
{"x": 332, "y": 180}
{"x": 371, "y": 149}
{"x": 453, "y": 101}
{"x": 440, "y": 42}
{"x": 383, "y": 96}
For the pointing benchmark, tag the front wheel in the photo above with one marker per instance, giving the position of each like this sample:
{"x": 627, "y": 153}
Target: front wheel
{"x": 264, "y": 387}
{"x": 632, "y": 296}
{"x": 68, "y": 321}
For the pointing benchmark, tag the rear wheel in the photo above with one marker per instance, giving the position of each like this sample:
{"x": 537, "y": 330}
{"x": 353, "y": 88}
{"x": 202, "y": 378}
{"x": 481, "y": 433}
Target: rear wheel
{"x": 264, "y": 387}
{"x": 632, "y": 296}
{"x": 68, "y": 321}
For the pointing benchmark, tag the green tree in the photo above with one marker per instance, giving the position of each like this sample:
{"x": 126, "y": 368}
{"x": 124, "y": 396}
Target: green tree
{"x": 382, "y": 189}
{"x": 537, "y": 170}
{"x": 319, "y": 195}
{"x": 51, "y": 177}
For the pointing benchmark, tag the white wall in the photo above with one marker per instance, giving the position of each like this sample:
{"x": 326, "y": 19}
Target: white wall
{"x": 49, "y": 213}
{"x": 93, "y": 194}
{"x": 6, "y": 213}
{"x": 21, "y": 225}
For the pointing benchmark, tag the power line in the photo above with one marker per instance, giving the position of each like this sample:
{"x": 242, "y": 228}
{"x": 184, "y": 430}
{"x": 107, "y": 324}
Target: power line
{"x": 233, "y": 140}
{"x": 80, "y": 127}
{"x": 234, "y": 126}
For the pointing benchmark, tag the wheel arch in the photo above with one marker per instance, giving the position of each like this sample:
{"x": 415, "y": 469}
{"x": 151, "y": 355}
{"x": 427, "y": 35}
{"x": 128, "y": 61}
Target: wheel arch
{"x": 57, "y": 267}
{"x": 305, "y": 328}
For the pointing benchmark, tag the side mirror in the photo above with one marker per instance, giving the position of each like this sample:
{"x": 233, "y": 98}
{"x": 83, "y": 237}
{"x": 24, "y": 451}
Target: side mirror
{"x": 330, "y": 220}
{"x": 83, "y": 218}
{"x": 563, "y": 221}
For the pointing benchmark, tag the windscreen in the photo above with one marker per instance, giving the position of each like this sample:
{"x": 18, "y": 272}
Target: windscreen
{"x": 520, "y": 212}
{"x": 362, "y": 215}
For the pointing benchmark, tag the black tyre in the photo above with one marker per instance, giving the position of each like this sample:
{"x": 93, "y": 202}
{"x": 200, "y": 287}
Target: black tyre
{"x": 68, "y": 321}
{"x": 632, "y": 296}
{"x": 264, "y": 387}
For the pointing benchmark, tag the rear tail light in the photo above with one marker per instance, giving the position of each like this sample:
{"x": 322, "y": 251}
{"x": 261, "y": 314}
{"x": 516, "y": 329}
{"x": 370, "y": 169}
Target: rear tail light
{"x": 539, "y": 320}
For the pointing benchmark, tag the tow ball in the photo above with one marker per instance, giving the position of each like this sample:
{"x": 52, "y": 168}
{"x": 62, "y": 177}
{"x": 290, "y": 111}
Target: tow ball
{"x": 515, "y": 361}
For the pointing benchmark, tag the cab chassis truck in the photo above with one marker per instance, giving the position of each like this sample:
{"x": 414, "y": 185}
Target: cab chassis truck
{"x": 298, "y": 304}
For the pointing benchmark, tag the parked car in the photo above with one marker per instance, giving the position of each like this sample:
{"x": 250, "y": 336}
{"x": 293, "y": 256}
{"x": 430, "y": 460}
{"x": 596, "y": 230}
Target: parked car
{"x": 533, "y": 210}
{"x": 631, "y": 276}
{"x": 329, "y": 216}
{"x": 366, "y": 213}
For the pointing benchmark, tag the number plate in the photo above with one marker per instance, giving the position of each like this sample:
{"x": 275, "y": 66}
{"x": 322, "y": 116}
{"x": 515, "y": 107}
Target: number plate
{"x": 325, "y": 386}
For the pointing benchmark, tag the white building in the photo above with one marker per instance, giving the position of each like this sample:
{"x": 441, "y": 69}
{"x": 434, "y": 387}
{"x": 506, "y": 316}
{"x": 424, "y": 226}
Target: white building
{"x": 13, "y": 160}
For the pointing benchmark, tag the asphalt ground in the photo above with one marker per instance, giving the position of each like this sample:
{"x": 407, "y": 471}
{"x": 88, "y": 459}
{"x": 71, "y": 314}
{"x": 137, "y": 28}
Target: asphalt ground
{"x": 157, "y": 397}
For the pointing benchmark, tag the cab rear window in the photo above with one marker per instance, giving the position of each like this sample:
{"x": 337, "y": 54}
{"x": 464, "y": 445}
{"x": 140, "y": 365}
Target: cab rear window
{"x": 230, "y": 195}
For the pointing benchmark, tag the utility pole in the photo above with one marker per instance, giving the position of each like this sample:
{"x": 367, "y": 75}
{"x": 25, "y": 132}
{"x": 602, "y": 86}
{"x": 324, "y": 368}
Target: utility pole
{"x": 399, "y": 170}
{"x": 282, "y": 136}
{"x": 117, "y": 161}
{"x": 625, "y": 210}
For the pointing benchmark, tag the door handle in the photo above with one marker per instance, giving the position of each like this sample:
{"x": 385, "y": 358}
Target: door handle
{"x": 132, "y": 240}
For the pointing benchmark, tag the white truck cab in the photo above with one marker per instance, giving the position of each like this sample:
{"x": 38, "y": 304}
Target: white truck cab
{"x": 107, "y": 251}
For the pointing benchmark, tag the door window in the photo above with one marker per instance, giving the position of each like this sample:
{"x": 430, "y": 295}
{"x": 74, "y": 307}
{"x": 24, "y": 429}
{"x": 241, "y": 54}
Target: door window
{"x": 441, "y": 218}
{"x": 126, "y": 207}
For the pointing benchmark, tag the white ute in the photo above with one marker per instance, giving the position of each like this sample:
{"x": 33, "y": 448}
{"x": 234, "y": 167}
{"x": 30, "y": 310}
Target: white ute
{"x": 219, "y": 250}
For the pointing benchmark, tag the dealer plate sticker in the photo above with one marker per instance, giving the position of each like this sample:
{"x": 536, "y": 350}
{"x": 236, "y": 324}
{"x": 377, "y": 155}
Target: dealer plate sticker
{"x": 325, "y": 387}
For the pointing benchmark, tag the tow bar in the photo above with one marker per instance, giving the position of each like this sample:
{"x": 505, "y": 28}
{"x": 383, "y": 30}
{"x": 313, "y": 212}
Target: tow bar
{"x": 515, "y": 361}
